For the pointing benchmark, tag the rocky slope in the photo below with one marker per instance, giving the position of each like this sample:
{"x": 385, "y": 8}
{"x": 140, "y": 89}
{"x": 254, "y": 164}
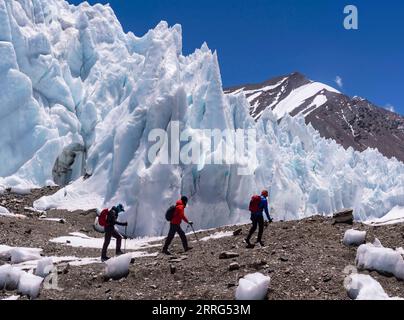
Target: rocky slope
{"x": 305, "y": 259}
{"x": 352, "y": 122}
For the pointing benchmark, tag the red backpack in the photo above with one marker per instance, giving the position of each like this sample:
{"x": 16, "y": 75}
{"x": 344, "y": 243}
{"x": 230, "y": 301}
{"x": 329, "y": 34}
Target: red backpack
{"x": 255, "y": 204}
{"x": 102, "y": 220}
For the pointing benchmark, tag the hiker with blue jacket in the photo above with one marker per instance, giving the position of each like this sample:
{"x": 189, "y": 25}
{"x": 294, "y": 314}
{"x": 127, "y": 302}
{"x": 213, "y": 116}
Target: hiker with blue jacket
{"x": 258, "y": 205}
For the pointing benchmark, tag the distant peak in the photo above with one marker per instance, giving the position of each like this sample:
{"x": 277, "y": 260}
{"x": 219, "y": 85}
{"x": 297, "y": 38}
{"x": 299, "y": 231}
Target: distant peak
{"x": 297, "y": 74}
{"x": 297, "y": 77}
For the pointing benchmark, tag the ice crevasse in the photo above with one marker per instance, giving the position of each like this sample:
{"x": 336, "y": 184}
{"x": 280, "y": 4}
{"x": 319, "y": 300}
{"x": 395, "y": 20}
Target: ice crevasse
{"x": 80, "y": 97}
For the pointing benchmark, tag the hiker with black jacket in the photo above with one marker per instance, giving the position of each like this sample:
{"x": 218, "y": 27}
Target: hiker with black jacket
{"x": 110, "y": 231}
{"x": 175, "y": 225}
{"x": 258, "y": 205}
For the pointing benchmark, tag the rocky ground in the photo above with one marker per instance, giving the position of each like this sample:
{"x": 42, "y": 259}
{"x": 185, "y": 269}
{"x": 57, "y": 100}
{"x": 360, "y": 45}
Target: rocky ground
{"x": 305, "y": 259}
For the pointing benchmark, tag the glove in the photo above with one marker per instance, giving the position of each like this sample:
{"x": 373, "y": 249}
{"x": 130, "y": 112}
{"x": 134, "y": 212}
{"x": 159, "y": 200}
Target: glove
{"x": 125, "y": 224}
{"x": 271, "y": 220}
{"x": 190, "y": 223}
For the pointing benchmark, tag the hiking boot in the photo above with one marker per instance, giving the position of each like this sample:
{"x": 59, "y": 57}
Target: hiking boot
{"x": 103, "y": 259}
{"x": 187, "y": 249}
{"x": 119, "y": 253}
{"x": 249, "y": 244}
{"x": 166, "y": 252}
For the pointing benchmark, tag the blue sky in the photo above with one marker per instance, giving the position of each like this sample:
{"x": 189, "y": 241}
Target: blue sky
{"x": 260, "y": 39}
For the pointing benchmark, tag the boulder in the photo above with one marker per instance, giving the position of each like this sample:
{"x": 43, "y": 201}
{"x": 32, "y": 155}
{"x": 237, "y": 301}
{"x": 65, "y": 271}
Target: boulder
{"x": 228, "y": 255}
{"x": 344, "y": 216}
{"x": 234, "y": 266}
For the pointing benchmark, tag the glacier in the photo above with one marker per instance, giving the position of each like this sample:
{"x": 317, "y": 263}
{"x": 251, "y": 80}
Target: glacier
{"x": 80, "y": 98}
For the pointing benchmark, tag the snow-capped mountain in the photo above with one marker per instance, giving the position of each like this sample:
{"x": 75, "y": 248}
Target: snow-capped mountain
{"x": 352, "y": 122}
{"x": 80, "y": 98}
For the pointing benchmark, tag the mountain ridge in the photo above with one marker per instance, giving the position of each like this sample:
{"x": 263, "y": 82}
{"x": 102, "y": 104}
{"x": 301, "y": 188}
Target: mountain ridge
{"x": 352, "y": 122}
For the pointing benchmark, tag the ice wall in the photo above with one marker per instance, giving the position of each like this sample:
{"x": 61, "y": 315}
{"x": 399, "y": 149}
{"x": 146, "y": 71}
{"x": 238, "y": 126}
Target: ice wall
{"x": 77, "y": 88}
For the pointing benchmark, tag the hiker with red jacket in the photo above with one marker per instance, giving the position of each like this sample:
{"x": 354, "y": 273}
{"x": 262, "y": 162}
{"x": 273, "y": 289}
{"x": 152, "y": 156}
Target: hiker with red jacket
{"x": 175, "y": 225}
{"x": 258, "y": 205}
{"x": 110, "y": 231}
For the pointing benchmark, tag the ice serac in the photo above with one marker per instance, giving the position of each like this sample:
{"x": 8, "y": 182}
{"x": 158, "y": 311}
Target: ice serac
{"x": 80, "y": 98}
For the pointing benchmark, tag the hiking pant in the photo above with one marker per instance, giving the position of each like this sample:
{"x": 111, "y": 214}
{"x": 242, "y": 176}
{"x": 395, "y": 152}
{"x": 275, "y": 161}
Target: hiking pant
{"x": 256, "y": 221}
{"x": 109, "y": 233}
{"x": 175, "y": 228}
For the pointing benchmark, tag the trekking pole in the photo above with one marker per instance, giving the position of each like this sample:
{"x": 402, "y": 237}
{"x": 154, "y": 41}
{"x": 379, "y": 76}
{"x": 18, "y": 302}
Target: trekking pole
{"x": 193, "y": 230}
{"x": 126, "y": 237}
{"x": 200, "y": 245}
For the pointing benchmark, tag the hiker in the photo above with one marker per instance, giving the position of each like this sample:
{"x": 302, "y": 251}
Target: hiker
{"x": 258, "y": 204}
{"x": 175, "y": 226}
{"x": 110, "y": 231}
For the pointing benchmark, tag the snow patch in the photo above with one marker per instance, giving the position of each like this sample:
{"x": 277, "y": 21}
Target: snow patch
{"x": 218, "y": 235}
{"x": 60, "y": 220}
{"x": 44, "y": 267}
{"x": 11, "y": 298}
{"x": 9, "y": 277}
{"x": 5, "y": 212}
{"x": 21, "y": 190}
{"x": 78, "y": 240}
{"x": 253, "y": 287}
{"x": 29, "y": 285}
{"x": 18, "y": 255}
{"x": 318, "y": 101}
{"x": 364, "y": 287}
{"x": 385, "y": 260}
{"x": 299, "y": 96}
{"x": 118, "y": 267}
{"x": 394, "y": 216}
{"x": 354, "y": 237}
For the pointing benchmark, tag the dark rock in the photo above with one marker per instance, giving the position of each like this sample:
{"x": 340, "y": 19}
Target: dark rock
{"x": 237, "y": 232}
{"x": 66, "y": 269}
{"x": 173, "y": 269}
{"x": 284, "y": 259}
{"x": 258, "y": 264}
{"x": 228, "y": 255}
{"x": 234, "y": 266}
{"x": 344, "y": 216}
{"x": 28, "y": 231}
{"x": 176, "y": 260}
